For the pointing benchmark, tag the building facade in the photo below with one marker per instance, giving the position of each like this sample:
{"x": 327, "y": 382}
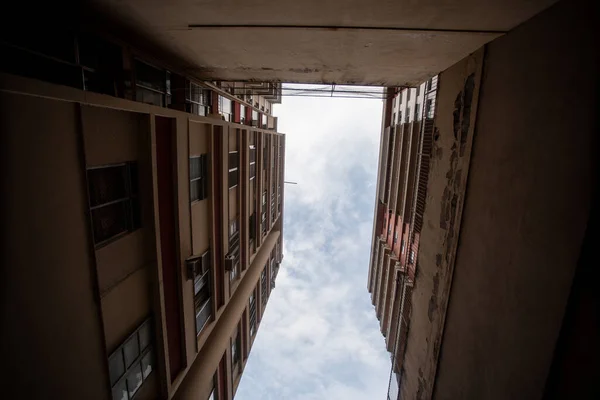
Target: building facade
{"x": 406, "y": 138}
{"x": 144, "y": 267}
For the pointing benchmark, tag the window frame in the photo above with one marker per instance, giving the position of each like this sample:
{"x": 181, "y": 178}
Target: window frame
{"x": 202, "y": 189}
{"x": 137, "y": 362}
{"x": 131, "y": 201}
{"x": 233, "y": 171}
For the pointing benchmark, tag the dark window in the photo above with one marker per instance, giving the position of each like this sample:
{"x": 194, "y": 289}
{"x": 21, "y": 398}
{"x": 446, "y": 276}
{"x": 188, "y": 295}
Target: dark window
{"x": 132, "y": 362}
{"x": 263, "y": 285}
{"x": 417, "y": 108}
{"x": 153, "y": 85}
{"x": 49, "y": 57}
{"x": 253, "y": 313}
{"x": 265, "y": 158}
{"x": 408, "y": 94}
{"x": 252, "y": 162}
{"x": 418, "y": 89}
{"x": 234, "y": 248}
{"x": 114, "y": 202}
{"x": 202, "y": 291}
{"x": 233, "y": 168}
{"x": 252, "y": 226}
{"x": 407, "y": 118}
{"x": 198, "y": 177}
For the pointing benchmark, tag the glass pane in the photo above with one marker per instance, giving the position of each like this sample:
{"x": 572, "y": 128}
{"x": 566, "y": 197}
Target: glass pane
{"x": 203, "y": 315}
{"x": 116, "y": 366}
{"x": 133, "y": 177}
{"x": 136, "y": 216}
{"x": 194, "y": 192}
{"x": 145, "y": 335}
{"x": 119, "y": 392}
{"x": 233, "y": 159}
{"x": 107, "y": 184}
{"x": 131, "y": 350}
{"x": 109, "y": 221}
{"x": 150, "y": 77}
{"x": 134, "y": 379}
{"x": 147, "y": 364}
{"x": 149, "y": 97}
{"x": 194, "y": 167}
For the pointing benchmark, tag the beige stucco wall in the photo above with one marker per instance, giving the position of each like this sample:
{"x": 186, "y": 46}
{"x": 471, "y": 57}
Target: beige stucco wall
{"x": 526, "y": 208}
{"x": 50, "y": 328}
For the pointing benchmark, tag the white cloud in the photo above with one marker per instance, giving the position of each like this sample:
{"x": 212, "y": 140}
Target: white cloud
{"x": 319, "y": 338}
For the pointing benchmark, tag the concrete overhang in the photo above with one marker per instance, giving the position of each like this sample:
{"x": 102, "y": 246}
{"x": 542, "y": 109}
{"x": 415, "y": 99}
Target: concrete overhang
{"x": 380, "y": 42}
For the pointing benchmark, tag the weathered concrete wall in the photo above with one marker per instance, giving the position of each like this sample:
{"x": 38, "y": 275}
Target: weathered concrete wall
{"x": 526, "y": 208}
{"x": 385, "y": 42}
{"x": 454, "y": 126}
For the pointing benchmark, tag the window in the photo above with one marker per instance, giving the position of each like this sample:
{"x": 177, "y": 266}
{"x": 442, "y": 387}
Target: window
{"x": 263, "y": 118}
{"x": 233, "y": 169}
{"x": 152, "y": 85}
{"x": 225, "y": 108}
{"x": 264, "y": 198}
{"x": 255, "y": 120}
{"x": 202, "y": 291}
{"x": 252, "y": 226}
{"x": 407, "y": 118}
{"x": 252, "y": 162}
{"x": 402, "y": 247}
{"x": 198, "y": 99}
{"x": 399, "y": 117}
{"x": 428, "y": 109}
{"x": 393, "y": 118}
{"x": 408, "y": 94}
{"x": 263, "y": 285}
{"x": 198, "y": 177}
{"x": 132, "y": 363}
{"x": 395, "y": 237}
{"x": 418, "y": 90}
{"x": 233, "y": 256}
{"x": 253, "y": 313}
{"x": 114, "y": 202}
{"x": 417, "y": 108}
{"x": 242, "y": 114}
{"x": 236, "y": 347}
{"x": 233, "y": 229}
{"x": 265, "y": 158}
{"x": 411, "y": 257}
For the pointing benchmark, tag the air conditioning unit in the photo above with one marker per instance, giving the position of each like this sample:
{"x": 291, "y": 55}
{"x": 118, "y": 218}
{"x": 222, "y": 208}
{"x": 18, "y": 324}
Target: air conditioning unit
{"x": 254, "y": 122}
{"x": 197, "y": 265}
{"x": 230, "y": 262}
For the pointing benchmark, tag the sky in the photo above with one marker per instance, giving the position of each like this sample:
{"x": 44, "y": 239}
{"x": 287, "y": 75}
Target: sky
{"x": 319, "y": 337}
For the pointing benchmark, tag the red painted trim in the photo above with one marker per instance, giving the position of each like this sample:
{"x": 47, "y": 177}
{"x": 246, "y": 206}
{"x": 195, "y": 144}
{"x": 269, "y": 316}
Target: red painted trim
{"x": 166, "y": 212}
